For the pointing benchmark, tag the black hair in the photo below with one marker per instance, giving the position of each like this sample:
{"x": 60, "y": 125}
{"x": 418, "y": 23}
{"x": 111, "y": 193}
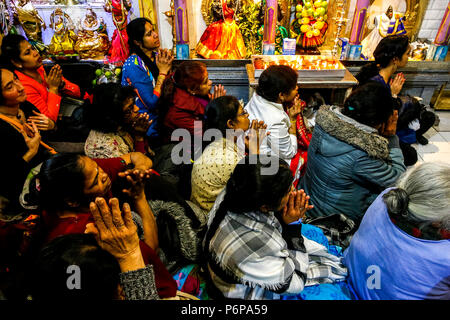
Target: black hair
{"x": 1, "y": 87}
{"x": 3, "y": 67}
{"x": 61, "y": 179}
{"x": 98, "y": 270}
{"x": 370, "y": 104}
{"x": 106, "y": 112}
{"x": 275, "y": 80}
{"x": 10, "y": 50}
{"x": 219, "y": 111}
{"x": 387, "y": 49}
{"x": 248, "y": 189}
{"x": 136, "y": 32}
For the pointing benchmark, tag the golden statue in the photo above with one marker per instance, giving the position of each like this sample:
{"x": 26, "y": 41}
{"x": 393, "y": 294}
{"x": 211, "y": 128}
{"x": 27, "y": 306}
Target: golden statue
{"x": 92, "y": 40}
{"x": 31, "y": 22}
{"x": 64, "y": 37}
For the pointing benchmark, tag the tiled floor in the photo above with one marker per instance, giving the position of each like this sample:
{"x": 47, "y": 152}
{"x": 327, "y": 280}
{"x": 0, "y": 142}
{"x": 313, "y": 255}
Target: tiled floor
{"x": 438, "y": 148}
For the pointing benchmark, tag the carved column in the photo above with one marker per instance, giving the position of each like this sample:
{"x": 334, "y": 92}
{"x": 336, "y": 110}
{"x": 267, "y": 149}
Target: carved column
{"x": 359, "y": 19}
{"x": 270, "y": 26}
{"x": 182, "y": 31}
{"x": 443, "y": 34}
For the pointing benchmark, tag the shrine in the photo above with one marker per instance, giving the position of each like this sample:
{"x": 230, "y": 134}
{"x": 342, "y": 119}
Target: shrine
{"x": 228, "y": 35}
{"x": 224, "y": 150}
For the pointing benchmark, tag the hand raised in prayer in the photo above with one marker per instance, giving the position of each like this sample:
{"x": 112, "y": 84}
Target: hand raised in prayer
{"x": 256, "y": 134}
{"x": 116, "y": 234}
{"x": 42, "y": 121}
{"x": 136, "y": 180}
{"x": 141, "y": 124}
{"x": 296, "y": 108}
{"x": 164, "y": 60}
{"x": 296, "y": 206}
{"x": 219, "y": 91}
{"x": 397, "y": 83}
{"x": 54, "y": 78}
{"x": 32, "y": 139}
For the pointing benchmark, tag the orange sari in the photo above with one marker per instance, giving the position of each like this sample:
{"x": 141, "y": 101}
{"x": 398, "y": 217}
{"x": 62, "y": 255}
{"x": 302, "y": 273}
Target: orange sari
{"x": 222, "y": 39}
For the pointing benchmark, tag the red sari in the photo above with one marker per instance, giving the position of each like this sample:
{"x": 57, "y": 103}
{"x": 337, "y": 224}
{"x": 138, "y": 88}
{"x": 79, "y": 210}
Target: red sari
{"x": 119, "y": 51}
{"x": 298, "y": 163}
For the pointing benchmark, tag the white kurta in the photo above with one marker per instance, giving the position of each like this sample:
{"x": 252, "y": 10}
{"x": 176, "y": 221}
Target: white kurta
{"x": 279, "y": 142}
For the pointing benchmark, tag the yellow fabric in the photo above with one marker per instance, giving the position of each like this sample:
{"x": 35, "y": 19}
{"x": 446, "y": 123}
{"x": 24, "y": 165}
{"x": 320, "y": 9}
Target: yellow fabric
{"x": 232, "y": 45}
{"x": 212, "y": 170}
{"x": 147, "y": 10}
{"x": 62, "y": 43}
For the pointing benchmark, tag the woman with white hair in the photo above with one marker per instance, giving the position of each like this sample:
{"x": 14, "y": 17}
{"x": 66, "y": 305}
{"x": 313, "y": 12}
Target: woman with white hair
{"x": 402, "y": 249}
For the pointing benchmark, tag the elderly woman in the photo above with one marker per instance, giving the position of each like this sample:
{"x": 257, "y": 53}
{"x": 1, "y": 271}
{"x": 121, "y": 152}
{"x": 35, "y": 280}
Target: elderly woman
{"x": 402, "y": 249}
{"x": 254, "y": 251}
{"x": 116, "y": 126}
{"x": 354, "y": 154}
{"x": 43, "y": 89}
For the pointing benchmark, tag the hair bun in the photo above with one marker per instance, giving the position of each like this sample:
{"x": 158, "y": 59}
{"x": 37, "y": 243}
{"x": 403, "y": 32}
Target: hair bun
{"x": 397, "y": 201}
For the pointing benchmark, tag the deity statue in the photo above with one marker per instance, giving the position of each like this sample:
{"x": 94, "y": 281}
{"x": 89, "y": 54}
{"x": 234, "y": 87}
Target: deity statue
{"x": 64, "y": 36}
{"x": 386, "y": 24}
{"x": 31, "y": 22}
{"x": 118, "y": 51}
{"x": 222, "y": 39}
{"x": 92, "y": 42}
{"x": 66, "y": 2}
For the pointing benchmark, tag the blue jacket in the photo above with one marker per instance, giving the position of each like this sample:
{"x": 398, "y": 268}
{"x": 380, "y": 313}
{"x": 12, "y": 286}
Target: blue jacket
{"x": 349, "y": 164}
{"x": 137, "y": 75}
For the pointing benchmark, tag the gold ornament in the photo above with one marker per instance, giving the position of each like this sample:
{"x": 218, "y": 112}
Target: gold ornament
{"x": 92, "y": 40}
